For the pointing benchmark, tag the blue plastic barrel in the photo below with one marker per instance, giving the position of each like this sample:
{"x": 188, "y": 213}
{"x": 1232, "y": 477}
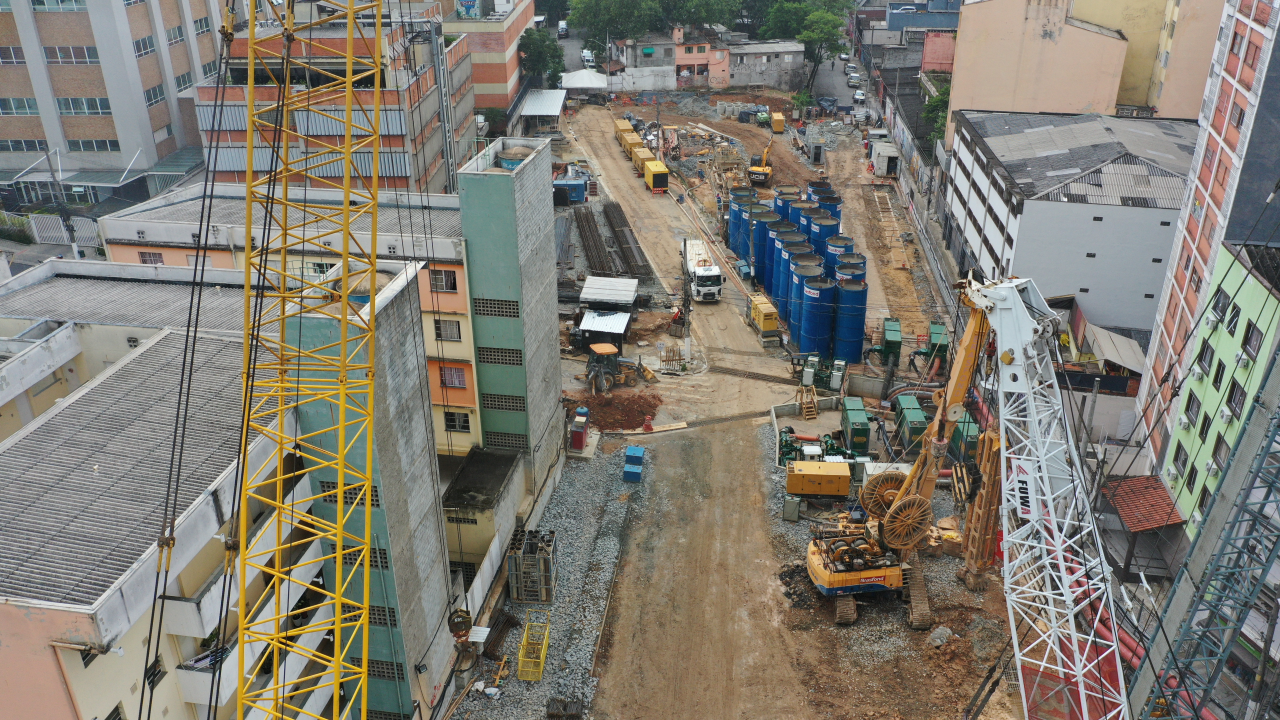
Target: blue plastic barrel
{"x": 851, "y": 271}
{"x": 760, "y": 222}
{"x": 799, "y": 273}
{"x": 821, "y": 228}
{"x": 793, "y": 214}
{"x": 837, "y": 245}
{"x": 832, "y": 204}
{"x": 815, "y": 321}
{"x": 819, "y": 184}
{"x": 851, "y": 320}
{"x": 772, "y": 250}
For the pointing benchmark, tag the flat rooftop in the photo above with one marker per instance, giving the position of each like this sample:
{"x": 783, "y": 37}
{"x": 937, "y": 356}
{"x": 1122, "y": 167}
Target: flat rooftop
{"x": 480, "y": 479}
{"x": 82, "y": 487}
{"x": 1093, "y": 158}
{"x": 103, "y": 293}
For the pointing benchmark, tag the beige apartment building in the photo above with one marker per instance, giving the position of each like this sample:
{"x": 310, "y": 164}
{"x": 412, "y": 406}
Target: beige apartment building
{"x": 91, "y": 95}
{"x": 1146, "y": 58}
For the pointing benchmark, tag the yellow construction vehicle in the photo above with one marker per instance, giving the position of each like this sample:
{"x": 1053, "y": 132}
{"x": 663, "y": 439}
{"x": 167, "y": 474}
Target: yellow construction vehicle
{"x": 605, "y": 369}
{"x": 846, "y": 558}
{"x": 761, "y": 172}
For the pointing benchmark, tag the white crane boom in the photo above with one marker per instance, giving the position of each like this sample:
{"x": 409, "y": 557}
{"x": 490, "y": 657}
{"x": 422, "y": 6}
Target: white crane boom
{"x": 1056, "y": 582}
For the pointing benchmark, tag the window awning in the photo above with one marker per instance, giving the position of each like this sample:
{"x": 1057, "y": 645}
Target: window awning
{"x": 102, "y": 178}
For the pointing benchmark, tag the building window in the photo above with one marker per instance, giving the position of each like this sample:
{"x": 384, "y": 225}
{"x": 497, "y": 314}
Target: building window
{"x": 500, "y": 356}
{"x": 382, "y": 669}
{"x": 175, "y": 35}
{"x": 1251, "y": 56}
{"x": 18, "y": 106}
{"x": 688, "y": 50}
{"x": 1180, "y": 458}
{"x": 454, "y": 377}
{"x": 117, "y": 713}
{"x": 127, "y": 3}
{"x": 1195, "y": 280}
{"x": 1217, "y": 375}
{"x": 1219, "y": 303}
{"x": 1235, "y": 398}
{"x": 1252, "y": 340}
{"x": 1192, "y": 408}
{"x": 702, "y": 48}
{"x": 457, "y": 422}
{"x": 1237, "y": 42}
{"x": 513, "y": 403}
{"x": 350, "y": 495}
{"x": 58, "y": 5}
{"x": 12, "y": 55}
{"x": 6, "y": 6}
{"x": 377, "y": 558}
{"x": 457, "y": 520}
{"x": 202, "y": 25}
{"x": 209, "y": 68}
{"x": 93, "y": 146}
{"x": 1237, "y": 115}
{"x": 668, "y": 52}
{"x": 153, "y": 95}
{"x": 496, "y": 308}
{"x": 144, "y": 46}
{"x": 150, "y": 258}
{"x": 449, "y": 330}
{"x": 71, "y": 55}
{"x": 1233, "y": 319}
{"x": 84, "y": 106}
{"x": 183, "y": 81}
{"x": 467, "y": 569}
{"x": 1204, "y": 426}
{"x": 509, "y": 441}
{"x": 155, "y": 672}
{"x": 1221, "y": 452}
{"x": 23, "y": 146}
{"x": 443, "y": 280}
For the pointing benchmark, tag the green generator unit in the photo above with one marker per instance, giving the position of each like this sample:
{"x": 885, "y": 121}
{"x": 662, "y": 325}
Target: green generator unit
{"x": 856, "y": 427}
{"x": 938, "y": 342}
{"x": 892, "y": 339}
{"x": 911, "y": 421}
{"x": 964, "y": 439}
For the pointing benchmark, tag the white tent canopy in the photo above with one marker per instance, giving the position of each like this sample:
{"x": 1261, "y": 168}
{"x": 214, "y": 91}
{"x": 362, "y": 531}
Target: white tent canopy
{"x": 584, "y": 80}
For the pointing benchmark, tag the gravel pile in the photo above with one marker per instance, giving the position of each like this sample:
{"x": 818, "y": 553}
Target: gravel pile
{"x": 588, "y": 512}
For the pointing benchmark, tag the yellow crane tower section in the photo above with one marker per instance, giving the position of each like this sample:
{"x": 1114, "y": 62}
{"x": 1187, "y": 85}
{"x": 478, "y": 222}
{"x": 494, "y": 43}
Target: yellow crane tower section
{"x": 287, "y": 375}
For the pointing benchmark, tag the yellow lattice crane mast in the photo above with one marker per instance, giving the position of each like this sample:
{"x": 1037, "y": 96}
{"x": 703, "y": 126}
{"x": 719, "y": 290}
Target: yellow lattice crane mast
{"x": 291, "y": 372}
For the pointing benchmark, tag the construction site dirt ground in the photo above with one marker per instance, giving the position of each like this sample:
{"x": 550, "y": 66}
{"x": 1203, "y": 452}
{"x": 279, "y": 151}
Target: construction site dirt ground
{"x": 698, "y": 624}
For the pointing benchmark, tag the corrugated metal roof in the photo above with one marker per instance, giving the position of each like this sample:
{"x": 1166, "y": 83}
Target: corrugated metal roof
{"x": 1092, "y": 158}
{"x": 609, "y": 290}
{"x": 123, "y": 302}
{"x": 609, "y": 322}
{"x": 82, "y": 488}
{"x": 235, "y": 159}
{"x": 543, "y": 102}
{"x": 104, "y": 178}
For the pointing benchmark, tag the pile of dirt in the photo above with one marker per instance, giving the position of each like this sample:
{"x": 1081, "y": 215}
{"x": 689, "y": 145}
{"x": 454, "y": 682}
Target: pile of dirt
{"x": 618, "y": 410}
{"x": 797, "y": 586}
{"x": 650, "y": 326}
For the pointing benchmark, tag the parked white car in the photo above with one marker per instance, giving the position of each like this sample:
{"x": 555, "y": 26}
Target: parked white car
{"x": 859, "y": 96}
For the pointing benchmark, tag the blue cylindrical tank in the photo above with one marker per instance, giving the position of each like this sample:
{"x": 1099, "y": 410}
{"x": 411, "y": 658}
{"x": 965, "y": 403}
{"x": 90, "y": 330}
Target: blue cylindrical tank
{"x": 760, "y": 222}
{"x": 832, "y": 204}
{"x": 746, "y": 231}
{"x": 819, "y": 194}
{"x": 837, "y": 245}
{"x": 782, "y": 270}
{"x": 799, "y": 273}
{"x": 815, "y": 320}
{"x": 772, "y": 250}
{"x": 821, "y": 228}
{"x": 851, "y": 320}
{"x": 787, "y": 189}
{"x": 782, "y": 203}
{"x": 851, "y": 257}
{"x": 793, "y": 214}
{"x": 739, "y": 198}
{"x": 851, "y": 271}
{"x": 807, "y": 215}
{"x": 822, "y": 184}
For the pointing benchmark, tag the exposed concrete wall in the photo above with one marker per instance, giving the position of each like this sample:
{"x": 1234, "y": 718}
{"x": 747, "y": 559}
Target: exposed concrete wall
{"x": 1141, "y": 22}
{"x": 646, "y": 78}
{"x": 32, "y": 684}
{"x": 1178, "y": 89}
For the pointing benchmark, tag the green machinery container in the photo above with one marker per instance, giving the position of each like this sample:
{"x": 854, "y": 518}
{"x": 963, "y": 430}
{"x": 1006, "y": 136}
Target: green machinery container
{"x": 911, "y": 421}
{"x": 964, "y": 439}
{"x": 856, "y": 427}
{"x": 938, "y": 341}
{"x": 892, "y": 339}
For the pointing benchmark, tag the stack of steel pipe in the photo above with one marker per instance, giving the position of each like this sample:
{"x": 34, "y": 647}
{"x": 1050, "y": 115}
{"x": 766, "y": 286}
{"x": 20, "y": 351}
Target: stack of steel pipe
{"x": 593, "y": 246}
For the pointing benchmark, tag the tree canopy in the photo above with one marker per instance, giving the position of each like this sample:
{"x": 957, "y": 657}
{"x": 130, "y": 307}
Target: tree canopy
{"x": 935, "y": 111}
{"x": 541, "y": 55}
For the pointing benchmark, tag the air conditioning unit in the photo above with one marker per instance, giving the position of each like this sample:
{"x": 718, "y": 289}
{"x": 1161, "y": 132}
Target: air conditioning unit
{"x": 1243, "y": 360}
{"x": 1211, "y": 323}
{"x": 1183, "y": 422}
{"x": 1171, "y": 473}
{"x": 1197, "y": 373}
{"x": 1210, "y": 468}
{"x": 1226, "y": 416}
